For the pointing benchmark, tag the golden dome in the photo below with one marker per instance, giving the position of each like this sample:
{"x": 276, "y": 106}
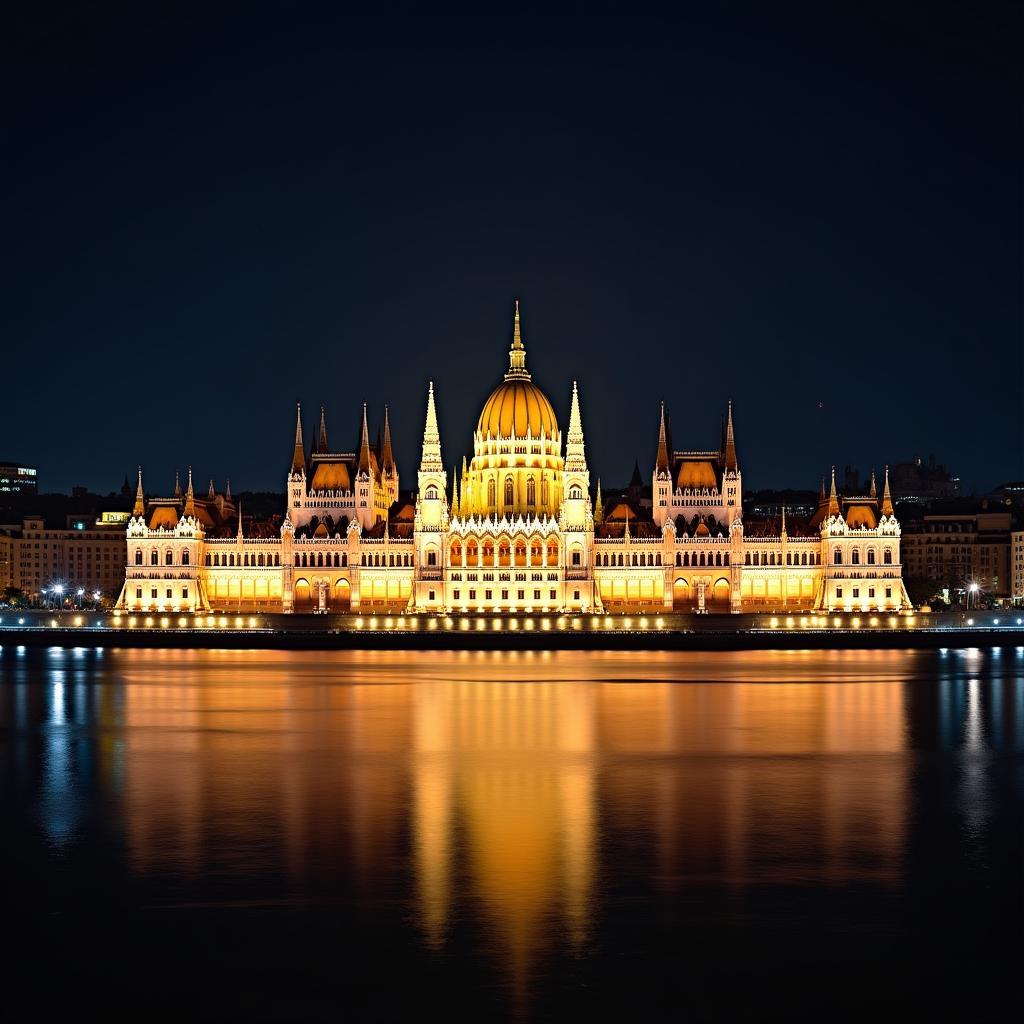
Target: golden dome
{"x": 330, "y": 476}
{"x": 861, "y": 515}
{"x": 516, "y": 406}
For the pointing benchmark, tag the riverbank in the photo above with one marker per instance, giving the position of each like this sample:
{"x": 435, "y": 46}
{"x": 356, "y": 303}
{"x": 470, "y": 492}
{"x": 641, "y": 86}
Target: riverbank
{"x": 543, "y": 631}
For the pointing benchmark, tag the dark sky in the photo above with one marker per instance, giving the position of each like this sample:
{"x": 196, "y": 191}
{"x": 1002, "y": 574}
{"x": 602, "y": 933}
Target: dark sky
{"x": 211, "y": 214}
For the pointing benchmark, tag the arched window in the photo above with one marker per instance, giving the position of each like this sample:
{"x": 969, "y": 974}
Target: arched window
{"x": 702, "y": 558}
{"x": 839, "y": 557}
{"x": 543, "y": 492}
{"x": 492, "y": 493}
{"x": 508, "y": 490}
{"x": 871, "y": 556}
{"x": 262, "y": 560}
{"x": 803, "y": 558}
{"x": 620, "y": 559}
{"x": 207, "y": 560}
{"x": 789, "y": 558}
{"x": 575, "y": 556}
{"x": 298, "y": 560}
{"x": 305, "y": 561}
{"x": 531, "y": 491}
{"x": 138, "y": 556}
{"x": 746, "y": 558}
{"x": 169, "y": 557}
{"x": 686, "y": 559}
{"x": 726, "y": 558}
{"x": 231, "y": 560}
{"x": 679, "y": 558}
{"x": 718, "y": 558}
{"x": 575, "y": 493}
{"x": 344, "y": 560}
{"x": 431, "y": 557}
{"x": 855, "y": 557}
{"x": 887, "y": 556}
{"x": 657, "y": 558}
{"x": 184, "y": 558}
{"x": 431, "y": 493}
{"x": 757, "y": 558}
{"x": 391, "y": 560}
{"x": 320, "y": 559}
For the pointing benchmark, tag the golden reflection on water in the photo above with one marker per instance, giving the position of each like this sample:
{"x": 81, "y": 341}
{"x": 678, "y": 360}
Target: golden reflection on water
{"x": 500, "y": 782}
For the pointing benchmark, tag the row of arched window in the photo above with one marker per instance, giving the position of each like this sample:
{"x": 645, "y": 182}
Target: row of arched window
{"x": 683, "y": 558}
{"x": 855, "y": 556}
{"x": 154, "y": 557}
{"x": 244, "y": 560}
{"x": 638, "y": 559}
{"x": 768, "y": 558}
{"x": 473, "y": 553}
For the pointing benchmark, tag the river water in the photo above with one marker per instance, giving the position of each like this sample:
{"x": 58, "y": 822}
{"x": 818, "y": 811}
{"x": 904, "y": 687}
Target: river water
{"x": 529, "y": 835}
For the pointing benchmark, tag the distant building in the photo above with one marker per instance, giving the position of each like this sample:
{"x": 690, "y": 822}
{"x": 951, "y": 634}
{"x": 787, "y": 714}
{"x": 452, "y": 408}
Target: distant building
{"x": 956, "y": 548}
{"x": 1017, "y": 566}
{"x": 86, "y": 555}
{"x": 17, "y": 478}
{"x": 921, "y": 482}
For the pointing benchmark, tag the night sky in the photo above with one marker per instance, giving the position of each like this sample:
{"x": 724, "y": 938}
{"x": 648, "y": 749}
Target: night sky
{"x": 210, "y": 215}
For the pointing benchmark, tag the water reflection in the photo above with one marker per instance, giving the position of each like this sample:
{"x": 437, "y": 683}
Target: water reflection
{"x": 529, "y": 798}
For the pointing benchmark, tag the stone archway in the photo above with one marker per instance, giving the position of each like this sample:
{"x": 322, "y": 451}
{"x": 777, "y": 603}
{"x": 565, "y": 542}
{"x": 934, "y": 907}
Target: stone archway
{"x": 303, "y": 596}
{"x": 718, "y": 596}
{"x": 682, "y": 596}
{"x": 341, "y": 596}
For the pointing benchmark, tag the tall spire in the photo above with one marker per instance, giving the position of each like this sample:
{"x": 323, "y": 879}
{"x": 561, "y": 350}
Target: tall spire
{"x": 598, "y": 505}
{"x": 730, "y": 443}
{"x": 177, "y": 485}
{"x": 364, "y": 447}
{"x": 431, "y": 457}
{"x": 190, "y": 497}
{"x": 211, "y": 493}
{"x": 465, "y": 504}
{"x": 661, "y": 466}
{"x": 823, "y": 497}
{"x": 140, "y": 502}
{"x": 783, "y": 520}
{"x": 299, "y": 456}
{"x": 833, "y": 500}
{"x": 227, "y": 491}
{"x": 387, "y": 456}
{"x": 517, "y": 353}
{"x": 455, "y": 491}
{"x": 322, "y": 442}
{"x": 575, "y": 452}
{"x": 240, "y": 534}
{"x": 874, "y": 488}
{"x": 887, "y": 509}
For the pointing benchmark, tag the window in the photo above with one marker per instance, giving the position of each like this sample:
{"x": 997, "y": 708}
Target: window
{"x": 184, "y": 593}
{"x": 456, "y": 594}
{"x": 184, "y": 558}
{"x": 575, "y": 558}
{"x": 531, "y": 492}
{"x": 492, "y": 493}
{"x": 488, "y": 595}
{"x": 839, "y": 592}
{"x": 431, "y": 494}
{"x": 536, "y": 595}
{"x": 154, "y": 558}
{"x": 887, "y": 556}
{"x": 431, "y": 558}
{"x": 472, "y": 595}
{"x": 553, "y": 595}
{"x": 138, "y": 556}
{"x": 504, "y": 595}
{"x": 508, "y": 490}
{"x": 575, "y": 493}
{"x": 169, "y": 557}
{"x": 430, "y": 595}
{"x": 871, "y": 591}
{"x": 138, "y": 593}
{"x": 838, "y": 557}
{"x": 871, "y": 556}
{"x": 856, "y": 592}
{"x": 521, "y": 594}
{"x": 575, "y": 595}
{"x": 855, "y": 557}
{"x": 888, "y": 593}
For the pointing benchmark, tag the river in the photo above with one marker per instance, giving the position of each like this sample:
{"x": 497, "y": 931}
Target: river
{"x": 529, "y": 835}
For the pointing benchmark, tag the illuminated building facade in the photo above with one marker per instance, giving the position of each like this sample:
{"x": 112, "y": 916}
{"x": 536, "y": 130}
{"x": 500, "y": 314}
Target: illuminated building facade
{"x": 515, "y": 532}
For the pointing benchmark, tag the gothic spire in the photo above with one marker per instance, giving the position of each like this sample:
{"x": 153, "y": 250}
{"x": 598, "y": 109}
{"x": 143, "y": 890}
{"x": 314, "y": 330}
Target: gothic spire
{"x": 730, "y": 444}
{"x": 431, "y": 457}
{"x": 874, "y": 488}
{"x": 783, "y": 520}
{"x": 211, "y": 493}
{"x": 227, "y": 491}
{"x": 387, "y": 456}
{"x": 190, "y": 497}
{"x": 465, "y": 506}
{"x": 322, "y": 442}
{"x": 517, "y": 353}
{"x": 364, "y": 447}
{"x": 455, "y": 491}
{"x": 299, "y": 456}
{"x": 177, "y": 485}
{"x": 575, "y": 453}
{"x": 661, "y": 465}
{"x": 598, "y": 505}
{"x": 887, "y": 509}
{"x": 140, "y": 502}
{"x": 833, "y": 500}
{"x": 240, "y": 534}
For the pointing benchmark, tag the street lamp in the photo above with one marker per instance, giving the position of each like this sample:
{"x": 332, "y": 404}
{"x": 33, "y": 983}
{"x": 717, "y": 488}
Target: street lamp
{"x": 972, "y": 589}
{"x": 80, "y": 593}
{"x": 58, "y": 589}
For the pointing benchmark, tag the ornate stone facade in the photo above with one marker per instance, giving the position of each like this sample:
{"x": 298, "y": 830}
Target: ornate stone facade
{"x": 518, "y": 531}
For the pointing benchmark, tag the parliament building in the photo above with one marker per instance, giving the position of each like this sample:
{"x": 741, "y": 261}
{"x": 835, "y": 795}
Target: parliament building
{"x": 518, "y": 530}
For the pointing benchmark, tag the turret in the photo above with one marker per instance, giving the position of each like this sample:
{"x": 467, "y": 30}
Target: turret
{"x": 139, "y": 511}
{"x": 432, "y": 480}
{"x": 321, "y": 446}
{"x": 190, "y": 498}
{"x": 364, "y": 482}
{"x": 661, "y": 487}
{"x": 887, "y": 509}
{"x": 299, "y": 454}
{"x": 576, "y": 478}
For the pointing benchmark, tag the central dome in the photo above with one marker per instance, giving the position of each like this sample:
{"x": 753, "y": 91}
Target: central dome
{"x": 517, "y": 407}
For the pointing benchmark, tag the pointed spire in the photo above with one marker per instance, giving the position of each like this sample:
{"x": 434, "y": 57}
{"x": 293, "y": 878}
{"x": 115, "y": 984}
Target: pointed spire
{"x": 598, "y": 505}
{"x": 227, "y": 491}
{"x": 240, "y": 534}
{"x": 465, "y": 503}
{"x": 626, "y": 534}
{"x": 387, "y": 456}
{"x": 177, "y": 485}
{"x": 211, "y": 493}
{"x": 322, "y": 441}
{"x": 140, "y": 502}
{"x": 823, "y": 497}
{"x": 783, "y": 520}
{"x": 887, "y": 509}
{"x": 661, "y": 465}
{"x": 730, "y": 443}
{"x": 364, "y": 447}
{"x": 299, "y": 456}
{"x": 455, "y": 491}
{"x": 874, "y": 489}
{"x": 517, "y": 353}
{"x": 190, "y": 497}
{"x": 575, "y": 451}
{"x": 431, "y": 457}
{"x": 833, "y": 500}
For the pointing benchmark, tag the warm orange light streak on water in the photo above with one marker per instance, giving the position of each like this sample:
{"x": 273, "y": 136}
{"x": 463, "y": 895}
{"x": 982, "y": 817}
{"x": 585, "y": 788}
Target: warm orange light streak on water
{"x": 510, "y": 770}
